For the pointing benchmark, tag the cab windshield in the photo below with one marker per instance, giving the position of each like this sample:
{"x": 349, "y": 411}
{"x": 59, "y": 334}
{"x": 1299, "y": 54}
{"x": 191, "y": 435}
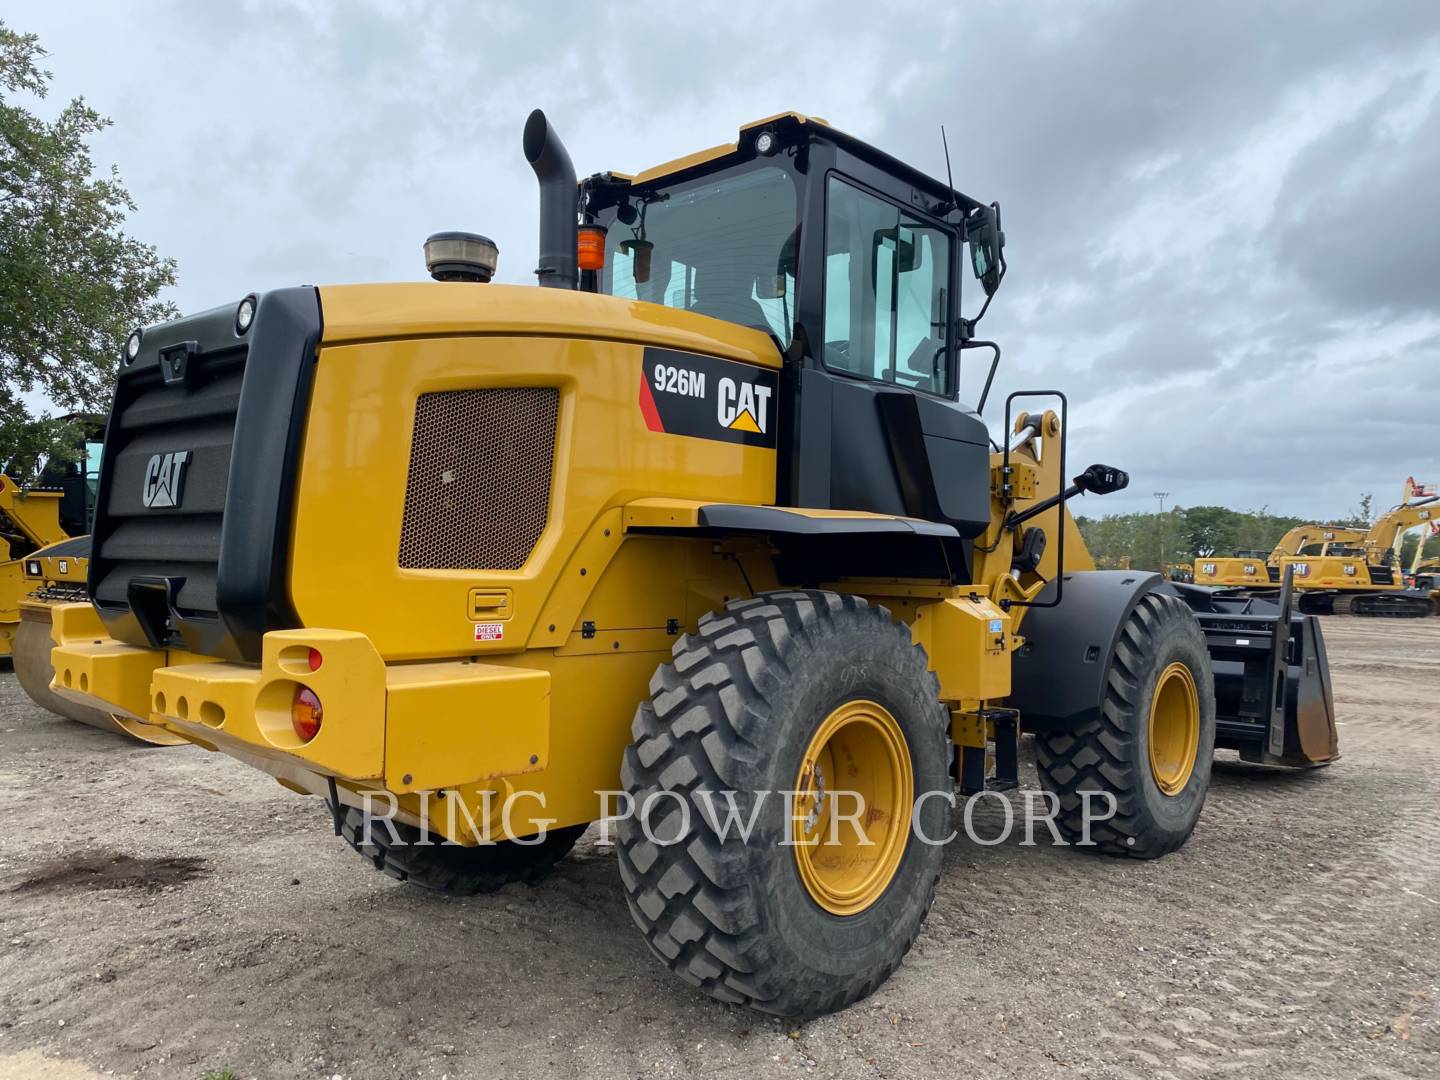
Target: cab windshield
{"x": 722, "y": 246}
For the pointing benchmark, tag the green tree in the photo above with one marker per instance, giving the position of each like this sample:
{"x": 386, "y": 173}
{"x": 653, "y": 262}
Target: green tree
{"x": 1209, "y": 530}
{"x": 1363, "y": 516}
{"x": 1189, "y": 533}
{"x": 72, "y": 283}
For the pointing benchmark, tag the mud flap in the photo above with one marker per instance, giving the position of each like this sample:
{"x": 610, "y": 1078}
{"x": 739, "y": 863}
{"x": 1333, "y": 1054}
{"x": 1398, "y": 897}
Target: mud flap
{"x": 1273, "y": 699}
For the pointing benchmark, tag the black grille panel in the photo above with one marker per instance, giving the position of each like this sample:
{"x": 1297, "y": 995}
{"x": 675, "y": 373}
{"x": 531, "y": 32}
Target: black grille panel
{"x": 478, "y": 493}
{"x": 181, "y": 543}
{"x": 207, "y": 573}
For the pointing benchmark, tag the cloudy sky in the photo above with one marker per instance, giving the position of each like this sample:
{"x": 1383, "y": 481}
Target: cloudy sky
{"x": 1223, "y": 219}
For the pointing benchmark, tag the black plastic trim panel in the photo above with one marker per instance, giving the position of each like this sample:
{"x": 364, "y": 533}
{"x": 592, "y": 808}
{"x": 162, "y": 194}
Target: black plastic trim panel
{"x": 218, "y": 557}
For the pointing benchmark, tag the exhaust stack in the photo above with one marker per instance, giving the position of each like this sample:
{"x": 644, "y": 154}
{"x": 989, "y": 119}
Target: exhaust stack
{"x": 559, "y": 203}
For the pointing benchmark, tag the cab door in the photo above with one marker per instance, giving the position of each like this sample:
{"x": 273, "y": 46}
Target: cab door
{"x": 880, "y": 430}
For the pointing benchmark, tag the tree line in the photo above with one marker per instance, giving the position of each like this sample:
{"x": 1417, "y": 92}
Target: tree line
{"x": 1186, "y": 533}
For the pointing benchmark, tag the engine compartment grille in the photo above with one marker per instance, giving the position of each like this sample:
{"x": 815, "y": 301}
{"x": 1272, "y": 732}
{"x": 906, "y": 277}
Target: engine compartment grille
{"x": 477, "y": 496}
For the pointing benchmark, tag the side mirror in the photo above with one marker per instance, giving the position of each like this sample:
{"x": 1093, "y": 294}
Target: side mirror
{"x": 1102, "y": 480}
{"x": 987, "y": 244}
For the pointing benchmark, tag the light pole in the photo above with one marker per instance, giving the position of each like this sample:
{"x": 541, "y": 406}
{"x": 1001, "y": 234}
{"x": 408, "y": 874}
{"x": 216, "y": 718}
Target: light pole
{"x": 1161, "y": 496}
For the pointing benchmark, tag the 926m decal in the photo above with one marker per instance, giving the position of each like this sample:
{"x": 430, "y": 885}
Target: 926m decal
{"x": 706, "y": 398}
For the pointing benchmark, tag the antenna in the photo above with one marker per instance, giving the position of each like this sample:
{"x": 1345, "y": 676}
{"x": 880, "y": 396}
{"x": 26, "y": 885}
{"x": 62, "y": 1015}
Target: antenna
{"x": 949, "y": 176}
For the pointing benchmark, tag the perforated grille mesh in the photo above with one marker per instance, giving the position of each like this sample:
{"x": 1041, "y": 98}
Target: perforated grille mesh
{"x": 479, "y": 486}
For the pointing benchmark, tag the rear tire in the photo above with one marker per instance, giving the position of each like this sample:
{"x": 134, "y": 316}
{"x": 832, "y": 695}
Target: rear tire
{"x": 449, "y": 868}
{"x": 1112, "y": 753}
{"x": 742, "y": 709}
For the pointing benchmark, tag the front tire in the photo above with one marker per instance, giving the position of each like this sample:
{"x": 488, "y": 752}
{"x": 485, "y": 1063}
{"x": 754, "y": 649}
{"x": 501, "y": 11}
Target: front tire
{"x": 787, "y": 702}
{"x": 1151, "y": 744}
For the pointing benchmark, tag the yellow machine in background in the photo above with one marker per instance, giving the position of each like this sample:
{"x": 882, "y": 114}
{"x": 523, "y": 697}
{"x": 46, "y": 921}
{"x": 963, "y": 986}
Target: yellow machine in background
{"x": 29, "y": 521}
{"x": 47, "y": 566}
{"x": 1257, "y": 569}
{"x": 56, "y": 575}
{"x": 703, "y": 516}
{"x": 1368, "y": 580}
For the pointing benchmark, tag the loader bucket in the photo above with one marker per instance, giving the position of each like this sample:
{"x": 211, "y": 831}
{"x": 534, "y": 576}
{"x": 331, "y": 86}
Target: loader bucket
{"x": 1273, "y": 701}
{"x": 33, "y": 671}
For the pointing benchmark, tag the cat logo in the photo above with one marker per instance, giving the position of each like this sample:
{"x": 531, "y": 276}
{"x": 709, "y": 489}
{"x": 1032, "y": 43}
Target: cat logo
{"x": 164, "y": 481}
{"x": 743, "y": 406}
{"x": 705, "y": 397}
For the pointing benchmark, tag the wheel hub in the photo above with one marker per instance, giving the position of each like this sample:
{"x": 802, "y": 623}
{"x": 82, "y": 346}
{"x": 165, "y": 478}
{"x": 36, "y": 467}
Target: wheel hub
{"x": 1174, "y": 729}
{"x": 855, "y": 792}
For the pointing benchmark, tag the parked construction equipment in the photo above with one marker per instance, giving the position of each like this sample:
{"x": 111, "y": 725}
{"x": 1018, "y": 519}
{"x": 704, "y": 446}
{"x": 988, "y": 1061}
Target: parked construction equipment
{"x": 1257, "y": 568}
{"x": 29, "y": 521}
{"x": 702, "y": 517}
{"x": 1367, "y": 579}
{"x": 49, "y": 565}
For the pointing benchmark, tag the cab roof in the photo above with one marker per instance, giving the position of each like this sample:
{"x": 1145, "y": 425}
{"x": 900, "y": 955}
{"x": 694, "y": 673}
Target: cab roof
{"x": 798, "y": 125}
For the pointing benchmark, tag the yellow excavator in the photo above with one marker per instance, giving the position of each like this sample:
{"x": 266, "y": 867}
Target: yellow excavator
{"x": 1255, "y": 568}
{"x": 1367, "y": 579}
{"x": 1424, "y": 573}
{"x": 1426, "y": 576}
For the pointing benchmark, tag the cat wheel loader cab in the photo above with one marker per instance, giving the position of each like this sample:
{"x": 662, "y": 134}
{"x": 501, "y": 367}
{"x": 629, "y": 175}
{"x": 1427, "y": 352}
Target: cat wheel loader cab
{"x": 697, "y": 536}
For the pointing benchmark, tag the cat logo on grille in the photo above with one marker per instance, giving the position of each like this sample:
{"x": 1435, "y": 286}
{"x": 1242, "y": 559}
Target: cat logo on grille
{"x": 164, "y": 482}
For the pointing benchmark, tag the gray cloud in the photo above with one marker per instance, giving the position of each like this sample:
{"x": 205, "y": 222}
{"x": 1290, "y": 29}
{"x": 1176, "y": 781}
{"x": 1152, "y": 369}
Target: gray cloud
{"x": 1223, "y": 238}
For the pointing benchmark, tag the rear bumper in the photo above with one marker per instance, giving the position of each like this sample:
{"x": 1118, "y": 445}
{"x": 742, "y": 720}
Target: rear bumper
{"x": 402, "y": 727}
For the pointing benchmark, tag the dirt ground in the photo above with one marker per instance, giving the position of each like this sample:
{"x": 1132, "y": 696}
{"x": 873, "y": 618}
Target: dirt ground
{"x": 170, "y": 913}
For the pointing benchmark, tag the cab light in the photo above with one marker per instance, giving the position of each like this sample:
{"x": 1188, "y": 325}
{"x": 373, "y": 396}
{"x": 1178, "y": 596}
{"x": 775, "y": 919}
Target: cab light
{"x": 244, "y": 315}
{"x": 306, "y": 714}
{"x": 590, "y": 247}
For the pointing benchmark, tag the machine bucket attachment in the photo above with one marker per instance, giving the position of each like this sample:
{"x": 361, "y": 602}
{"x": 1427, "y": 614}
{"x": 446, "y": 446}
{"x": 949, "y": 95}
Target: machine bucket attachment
{"x": 1273, "y": 701}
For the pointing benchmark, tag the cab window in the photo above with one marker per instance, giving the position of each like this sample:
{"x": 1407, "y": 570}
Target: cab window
{"x": 887, "y": 276}
{"x": 723, "y": 247}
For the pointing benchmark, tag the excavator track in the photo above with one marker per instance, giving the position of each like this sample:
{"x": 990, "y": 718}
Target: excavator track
{"x": 1387, "y": 605}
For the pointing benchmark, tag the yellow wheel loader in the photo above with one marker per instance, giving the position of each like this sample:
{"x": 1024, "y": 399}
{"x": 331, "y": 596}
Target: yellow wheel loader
{"x": 54, "y": 575}
{"x": 696, "y": 539}
{"x": 29, "y": 521}
{"x": 49, "y": 566}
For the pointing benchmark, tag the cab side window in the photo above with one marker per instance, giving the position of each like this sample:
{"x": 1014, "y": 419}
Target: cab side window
{"x": 886, "y": 283}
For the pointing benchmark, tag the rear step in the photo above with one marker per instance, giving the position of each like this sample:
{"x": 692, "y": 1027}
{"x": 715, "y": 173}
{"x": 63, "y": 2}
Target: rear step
{"x": 1273, "y": 701}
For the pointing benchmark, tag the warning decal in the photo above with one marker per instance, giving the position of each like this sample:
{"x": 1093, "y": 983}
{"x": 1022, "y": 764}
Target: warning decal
{"x": 489, "y": 631}
{"x": 705, "y": 398}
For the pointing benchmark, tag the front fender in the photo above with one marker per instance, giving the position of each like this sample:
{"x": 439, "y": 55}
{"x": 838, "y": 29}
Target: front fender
{"x": 1059, "y": 673}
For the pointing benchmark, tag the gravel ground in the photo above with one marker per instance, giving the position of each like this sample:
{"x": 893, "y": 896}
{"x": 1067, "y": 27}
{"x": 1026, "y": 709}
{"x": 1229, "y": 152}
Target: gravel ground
{"x": 170, "y": 913}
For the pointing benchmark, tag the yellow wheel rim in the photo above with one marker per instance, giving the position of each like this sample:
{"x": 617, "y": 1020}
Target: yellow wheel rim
{"x": 1174, "y": 729}
{"x": 851, "y": 815}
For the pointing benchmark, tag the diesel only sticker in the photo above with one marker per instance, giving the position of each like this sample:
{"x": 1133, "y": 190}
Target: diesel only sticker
{"x": 705, "y": 398}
